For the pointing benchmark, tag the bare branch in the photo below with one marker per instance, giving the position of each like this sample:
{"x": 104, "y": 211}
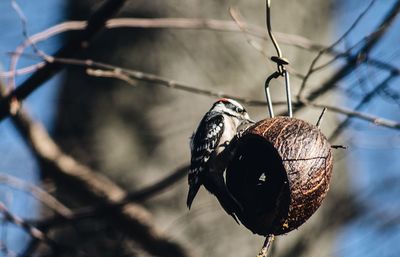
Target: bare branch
{"x": 379, "y": 121}
{"x": 31, "y": 230}
{"x": 109, "y": 208}
{"x": 187, "y": 88}
{"x": 38, "y": 193}
{"x": 157, "y": 187}
{"x": 185, "y": 23}
{"x": 320, "y": 53}
{"x": 133, "y": 218}
{"x": 117, "y": 74}
{"x": 95, "y": 23}
{"x": 36, "y": 234}
{"x": 368, "y": 46}
{"x": 237, "y": 18}
{"x": 7, "y": 252}
{"x": 365, "y": 100}
{"x": 266, "y": 246}
{"x": 14, "y": 61}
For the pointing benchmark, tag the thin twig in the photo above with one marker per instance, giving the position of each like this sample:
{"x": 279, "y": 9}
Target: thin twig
{"x": 364, "y": 101}
{"x": 133, "y": 218}
{"x": 251, "y": 102}
{"x": 343, "y": 72}
{"x": 31, "y": 230}
{"x": 244, "y": 27}
{"x": 368, "y": 46}
{"x": 186, "y": 23}
{"x": 38, "y": 193}
{"x": 148, "y": 77}
{"x": 158, "y": 80}
{"x": 334, "y": 44}
{"x": 95, "y": 23}
{"x": 159, "y": 186}
{"x": 117, "y": 74}
{"x": 6, "y": 251}
{"x": 36, "y": 234}
{"x": 237, "y": 18}
{"x": 266, "y": 246}
{"x": 379, "y": 121}
{"x": 14, "y": 61}
{"x": 106, "y": 209}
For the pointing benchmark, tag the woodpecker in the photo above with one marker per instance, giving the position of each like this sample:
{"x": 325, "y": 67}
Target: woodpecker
{"x": 212, "y": 149}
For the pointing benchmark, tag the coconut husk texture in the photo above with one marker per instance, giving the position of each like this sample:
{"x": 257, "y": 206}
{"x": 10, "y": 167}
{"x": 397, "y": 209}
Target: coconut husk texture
{"x": 280, "y": 174}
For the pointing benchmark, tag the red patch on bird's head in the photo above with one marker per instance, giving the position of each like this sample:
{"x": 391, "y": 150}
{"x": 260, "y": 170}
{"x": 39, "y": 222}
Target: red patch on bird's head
{"x": 224, "y": 100}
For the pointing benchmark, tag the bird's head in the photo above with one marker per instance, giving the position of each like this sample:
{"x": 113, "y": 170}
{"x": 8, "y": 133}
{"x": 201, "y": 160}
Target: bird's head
{"x": 232, "y": 108}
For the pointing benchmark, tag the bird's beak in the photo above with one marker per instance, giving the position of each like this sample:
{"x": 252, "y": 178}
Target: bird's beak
{"x": 247, "y": 118}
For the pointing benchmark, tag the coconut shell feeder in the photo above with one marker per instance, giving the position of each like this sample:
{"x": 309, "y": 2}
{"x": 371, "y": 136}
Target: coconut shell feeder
{"x": 280, "y": 174}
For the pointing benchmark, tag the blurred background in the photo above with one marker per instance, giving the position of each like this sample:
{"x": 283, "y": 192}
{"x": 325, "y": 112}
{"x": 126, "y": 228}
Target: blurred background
{"x": 138, "y": 135}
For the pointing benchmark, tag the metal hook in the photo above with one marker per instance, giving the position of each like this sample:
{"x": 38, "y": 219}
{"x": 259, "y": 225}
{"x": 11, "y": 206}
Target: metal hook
{"x": 288, "y": 93}
{"x": 281, "y": 70}
{"x": 274, "y": 75}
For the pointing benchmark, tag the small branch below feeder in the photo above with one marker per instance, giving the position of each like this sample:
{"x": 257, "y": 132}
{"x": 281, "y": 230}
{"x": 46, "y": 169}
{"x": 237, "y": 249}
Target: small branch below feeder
{"x": 267, "y": 244}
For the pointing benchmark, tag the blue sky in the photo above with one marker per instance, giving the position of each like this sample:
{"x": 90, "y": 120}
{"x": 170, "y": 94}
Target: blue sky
{"x": 374, "y": 151}
{"x": 17, "y": 159}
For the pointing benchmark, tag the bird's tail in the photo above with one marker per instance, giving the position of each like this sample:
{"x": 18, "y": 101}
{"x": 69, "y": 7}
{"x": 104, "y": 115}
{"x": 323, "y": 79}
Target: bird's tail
{"x": 193, "y": 189}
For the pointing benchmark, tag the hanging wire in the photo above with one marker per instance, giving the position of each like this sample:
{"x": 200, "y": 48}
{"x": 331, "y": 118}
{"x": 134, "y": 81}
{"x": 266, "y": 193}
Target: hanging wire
{"x": 268, "y": 17}
{"x": 281, "y": 70}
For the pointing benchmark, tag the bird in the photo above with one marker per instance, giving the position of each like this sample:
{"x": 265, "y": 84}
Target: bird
{"x": 212, "y": 148}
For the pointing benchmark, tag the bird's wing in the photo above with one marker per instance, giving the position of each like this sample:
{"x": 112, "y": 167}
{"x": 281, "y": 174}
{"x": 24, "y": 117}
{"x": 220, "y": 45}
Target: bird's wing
{"x": 207, "y": 137}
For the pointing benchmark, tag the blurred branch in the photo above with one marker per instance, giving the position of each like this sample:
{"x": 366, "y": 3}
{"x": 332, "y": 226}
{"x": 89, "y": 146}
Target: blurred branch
{"x": 187, "y": 23}
{"x": 321, "y": 52}
{"x": 365, "y": 100}
{"x": 109, "y": 208}
{"x": 134, "y": 219}
{"x": 351, "y": 113}
{"x": 14, "y": 61}
{"x": 31, "y": 230}
{"x": 7, "y": 252}
{"x": 94, "y": 24}
{"x": 99, "y": 69}
{"x": 157, "y": 187}
{"x": 38, "y": 193}
{"x": 269, "y": 239}
{"x": 238, "y": 19}
{"x": 352, "y": 60}
{"x": 187, "y": 88}
{"x": 179, "y": 23}
{"x": 116, "y": 74}
{"x": 37, "y": 235}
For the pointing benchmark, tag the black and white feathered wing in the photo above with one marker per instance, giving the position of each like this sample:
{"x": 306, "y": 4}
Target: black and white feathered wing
{"x": 203, "y": 169}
